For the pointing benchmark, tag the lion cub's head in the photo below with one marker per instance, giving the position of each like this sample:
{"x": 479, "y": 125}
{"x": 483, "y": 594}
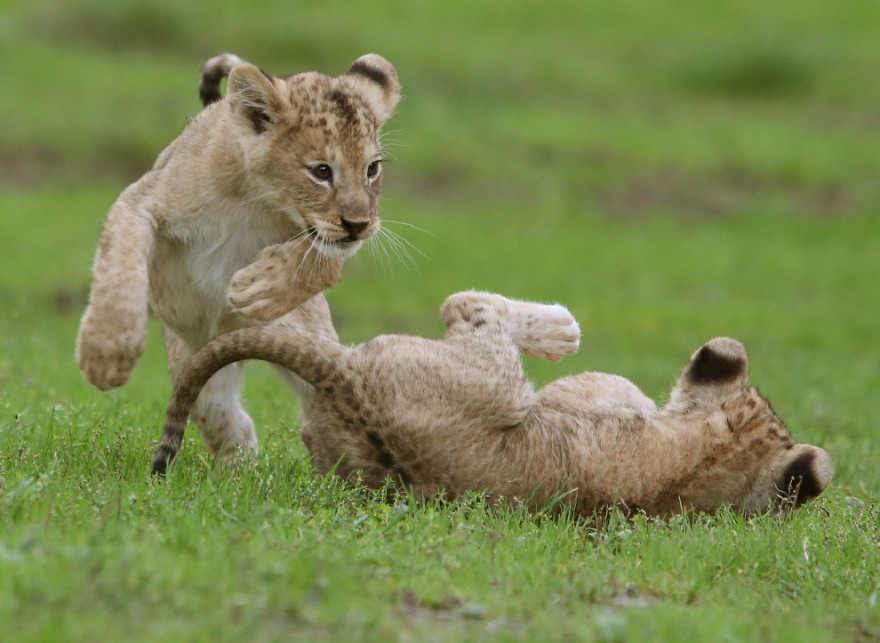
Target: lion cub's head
{"x": 310, "y": 146}
{"x": 751, "y": 460}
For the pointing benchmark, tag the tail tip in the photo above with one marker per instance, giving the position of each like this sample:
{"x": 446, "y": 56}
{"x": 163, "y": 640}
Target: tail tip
{"x": 215, "y": 70}
{"x": 164, "y": 457}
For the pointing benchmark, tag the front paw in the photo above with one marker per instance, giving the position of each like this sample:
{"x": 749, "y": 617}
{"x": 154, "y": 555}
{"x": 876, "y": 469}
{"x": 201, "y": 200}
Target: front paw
{"x": 263, "y": 295}
{"x": 279, "y": 281}
{"x": 107, "y": 359}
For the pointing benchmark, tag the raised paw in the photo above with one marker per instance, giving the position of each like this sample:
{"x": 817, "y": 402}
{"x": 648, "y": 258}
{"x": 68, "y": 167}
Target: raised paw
{"x": 282, "y": 278}
{"x": 263, "y": 294}
{"x": 543, "y": 331}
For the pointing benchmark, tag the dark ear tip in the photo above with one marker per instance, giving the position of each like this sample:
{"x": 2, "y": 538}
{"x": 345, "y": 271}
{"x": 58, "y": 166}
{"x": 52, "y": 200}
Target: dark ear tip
{"x": 806, "y": 477}
{"x": 375, "y": 61}
{"x": 376, "y": 69}
{"x": 719, "y": 360}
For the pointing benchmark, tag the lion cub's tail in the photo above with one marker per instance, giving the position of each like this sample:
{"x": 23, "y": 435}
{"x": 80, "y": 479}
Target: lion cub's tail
{"x": 314, "y": 358}
{"x": 214, "y": 71}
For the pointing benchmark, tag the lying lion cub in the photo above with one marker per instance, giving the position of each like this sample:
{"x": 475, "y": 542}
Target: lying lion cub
{"x": 458, "y": 414}
{"x": 245, "y": 218}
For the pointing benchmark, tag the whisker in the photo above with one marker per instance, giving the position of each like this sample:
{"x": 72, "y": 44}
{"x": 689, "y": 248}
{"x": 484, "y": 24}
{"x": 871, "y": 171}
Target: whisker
{"x": 379, "y": 256}
{"x": 410, "y": 225}
{"x": 403, "y": 240}
{"x": 388, "y": 250}
{"x": 302, "y": 236}
{"x": 400, "y": 250}
{"x": 254, "y": 198}
{"x": 304, "y": 257}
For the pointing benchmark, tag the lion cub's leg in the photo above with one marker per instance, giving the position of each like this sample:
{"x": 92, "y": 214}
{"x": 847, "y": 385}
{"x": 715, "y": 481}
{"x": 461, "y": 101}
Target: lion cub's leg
{"x": 596, "y": 393}
{"x": 227, "y": 430}
{"x": 540, "y": 330}
{"x": 113, "y": 331}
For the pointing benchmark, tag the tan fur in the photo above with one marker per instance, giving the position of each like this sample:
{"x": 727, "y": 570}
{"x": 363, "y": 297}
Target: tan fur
{"x": 245, "y": 218}
{"x": 459, "y": 414}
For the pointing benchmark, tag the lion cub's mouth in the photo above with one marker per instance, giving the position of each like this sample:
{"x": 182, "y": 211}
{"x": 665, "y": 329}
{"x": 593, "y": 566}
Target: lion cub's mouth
{"x": 340, "y": 248}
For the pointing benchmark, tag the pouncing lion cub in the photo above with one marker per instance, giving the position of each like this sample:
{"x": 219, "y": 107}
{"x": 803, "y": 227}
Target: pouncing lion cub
{"x": 459, "y": 414}
{"x": 244, "y": 219}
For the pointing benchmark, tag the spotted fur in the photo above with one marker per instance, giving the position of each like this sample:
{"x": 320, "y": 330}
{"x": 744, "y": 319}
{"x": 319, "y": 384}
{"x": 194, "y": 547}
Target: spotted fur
{"x": 459, "y": 414}
{"x": 244, "y": 219}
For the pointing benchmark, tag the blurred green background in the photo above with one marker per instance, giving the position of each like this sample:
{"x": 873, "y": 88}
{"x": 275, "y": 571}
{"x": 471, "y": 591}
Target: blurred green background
{"x": 670, "y": 171}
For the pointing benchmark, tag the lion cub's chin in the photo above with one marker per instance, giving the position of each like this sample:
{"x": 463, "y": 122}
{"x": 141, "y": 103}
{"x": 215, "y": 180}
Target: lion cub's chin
{"x": 338, "y": 249}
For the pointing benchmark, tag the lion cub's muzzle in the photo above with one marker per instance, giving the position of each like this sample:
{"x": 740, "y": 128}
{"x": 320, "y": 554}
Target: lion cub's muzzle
{"x": 346, "y": 239}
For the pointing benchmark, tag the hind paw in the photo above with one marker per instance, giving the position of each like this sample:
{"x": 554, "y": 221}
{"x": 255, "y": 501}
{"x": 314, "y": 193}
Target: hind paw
{"x": 543, "y": 331}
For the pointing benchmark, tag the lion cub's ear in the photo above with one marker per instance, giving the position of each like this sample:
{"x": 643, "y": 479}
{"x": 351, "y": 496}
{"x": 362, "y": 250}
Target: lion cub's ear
{"x": 254, "y": 96}
{"x": 806, "y": 474}
{"x": 376, "y": 80}
{"x": 719, "y": 361}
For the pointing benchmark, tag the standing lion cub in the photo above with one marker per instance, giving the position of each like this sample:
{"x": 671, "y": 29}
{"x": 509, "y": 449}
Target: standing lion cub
{"x": 244, "y": 219}
{"x": 459, "y": 414}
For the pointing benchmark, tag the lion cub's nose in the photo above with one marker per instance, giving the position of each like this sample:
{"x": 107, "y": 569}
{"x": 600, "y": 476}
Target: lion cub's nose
{"x": 354, "y": 228}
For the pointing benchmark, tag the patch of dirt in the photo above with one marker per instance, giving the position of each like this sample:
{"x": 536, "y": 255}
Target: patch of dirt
{"x": 631, "y": 597}
{"x": 69, "y": 300}
{"x": 443, "y": 187}
{"x": 719, "y": 194}
{"x": 716, "y": 193}
{"x": 452, "y": 610}
{"x": 37, "y": 167}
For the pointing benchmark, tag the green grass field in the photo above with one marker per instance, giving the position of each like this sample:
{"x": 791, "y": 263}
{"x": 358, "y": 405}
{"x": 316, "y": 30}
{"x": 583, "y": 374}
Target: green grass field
{"x": 669, "y": 171}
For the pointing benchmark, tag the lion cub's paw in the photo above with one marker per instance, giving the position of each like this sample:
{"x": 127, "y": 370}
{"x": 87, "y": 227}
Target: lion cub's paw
{"x": 107, "y": 364}
{"x": 280, "y": 279}
{"x": 263, "y": 294}
{"x": 543, "y": 331}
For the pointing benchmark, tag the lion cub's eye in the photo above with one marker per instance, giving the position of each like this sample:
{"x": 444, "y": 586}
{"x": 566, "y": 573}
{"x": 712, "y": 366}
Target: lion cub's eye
{"x": 373, "y": 169}
{"x": 322, "y": 172}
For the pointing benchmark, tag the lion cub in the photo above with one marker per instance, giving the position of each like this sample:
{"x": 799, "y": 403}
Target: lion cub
{"x": 244, "y": 219}
{"x": 459, "y": 414}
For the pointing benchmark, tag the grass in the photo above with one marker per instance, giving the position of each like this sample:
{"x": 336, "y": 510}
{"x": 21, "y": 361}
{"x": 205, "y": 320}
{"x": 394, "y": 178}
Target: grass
{"x": 670, "y": 172}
